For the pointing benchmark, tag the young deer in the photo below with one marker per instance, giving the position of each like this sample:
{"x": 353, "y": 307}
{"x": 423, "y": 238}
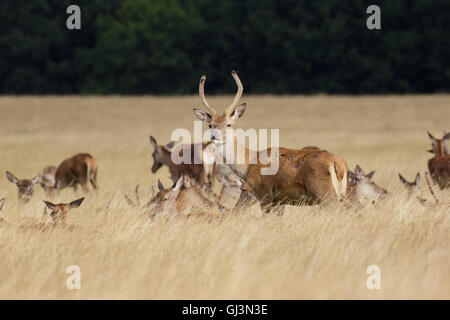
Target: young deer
{"x": 439, "y": 165}
{"x": 363, "y": 188}
{"x": 203, "y": 173}
{"x": 79, "y": 169}
{"x": 235, "y": 194}
{"x": 315, "y": 174}
{"x": 59, "y": 211}
{"x": 413, "y": 189}
{"x": 25, "y": 186}
{"x": 184, "y": 198}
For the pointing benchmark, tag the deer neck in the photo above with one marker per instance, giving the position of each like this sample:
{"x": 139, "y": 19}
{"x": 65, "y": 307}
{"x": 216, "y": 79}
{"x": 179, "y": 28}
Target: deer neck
{"x": 240, "y": 160}
{"x": 440, "y": 150}
{"x": 166, "y": 157}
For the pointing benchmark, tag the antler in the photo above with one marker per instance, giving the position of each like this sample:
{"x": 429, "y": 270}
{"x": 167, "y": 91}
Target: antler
{"x": 238, "y": 96}
{"x": 201, "y": 92}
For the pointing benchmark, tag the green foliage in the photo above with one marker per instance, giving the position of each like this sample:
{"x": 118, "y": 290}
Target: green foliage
{"x": 277, "y": 46}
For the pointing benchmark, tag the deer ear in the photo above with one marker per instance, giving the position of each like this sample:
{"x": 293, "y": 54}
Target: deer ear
{"x": 351, "y": 176}
{"x": 153, "y": 142}
{"x": 202, "y": 115}
{"x": 75, "y": 204}
{"x": 35, "y": 180}
{"x": 370, "y": 174}
{"x": 403, "y": 180}
{"x": 433, "y": 141}
{"x": 2, "y": 201}
{"x": 160, "y": 185}
{"x": 359, "y": 173}
{"x": 50, "y": 205}
{"x": 179, "y": 183}
{"x": 446, "y": 136}
{"x": 238, "y": 112}
{"x": 417, "y": 181}
{"x": 11, "y": 177}
{"x": 170, "y": 145}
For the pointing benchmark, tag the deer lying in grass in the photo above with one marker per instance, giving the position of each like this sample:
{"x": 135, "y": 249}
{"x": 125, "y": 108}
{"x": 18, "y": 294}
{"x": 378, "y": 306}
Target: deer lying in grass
{"x": 236, "y": 195}
{"x": 315, "y": 174}
{"x": 439, "y": 165}
{"x": 184, "y": 198}
{"x": 25, "y": 186}
{"x": 363, "y": 188}
{"x": 413, "y": 189}
{"x": 203, "y": 173}
{"x": 58, "y": 212}
{"x": 79, "y": 169}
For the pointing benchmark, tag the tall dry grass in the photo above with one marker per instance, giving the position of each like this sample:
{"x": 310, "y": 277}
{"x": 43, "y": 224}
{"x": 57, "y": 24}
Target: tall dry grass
{"x": 309, "y": 252}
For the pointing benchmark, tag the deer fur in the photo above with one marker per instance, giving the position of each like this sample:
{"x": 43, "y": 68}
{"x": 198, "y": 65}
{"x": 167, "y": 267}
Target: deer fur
{"x": 439, "y": 165}
{"x": 314, "y": 174}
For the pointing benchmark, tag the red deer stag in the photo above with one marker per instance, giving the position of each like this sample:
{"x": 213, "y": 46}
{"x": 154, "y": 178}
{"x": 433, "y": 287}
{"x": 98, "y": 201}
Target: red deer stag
{"x": 25, "y": 186}
{"x": 439, "y": 165}
{"x": 309, "y": 174}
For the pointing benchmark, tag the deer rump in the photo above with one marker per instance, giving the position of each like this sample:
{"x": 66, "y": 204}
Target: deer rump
{"x": 78, "y": 169}
{"x": 440, "y": 171}
{"x": 308, "y": 174}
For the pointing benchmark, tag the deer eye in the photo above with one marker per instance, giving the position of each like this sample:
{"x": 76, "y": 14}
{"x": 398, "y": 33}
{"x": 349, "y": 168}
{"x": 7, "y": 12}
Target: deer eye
{"x": 209, "y": 126}
{"x": 228, "y": 125}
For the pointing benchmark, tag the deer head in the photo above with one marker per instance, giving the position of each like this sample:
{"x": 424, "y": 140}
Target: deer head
{"x": 413, "y": 189}
{"x": 159, "y": 152}
{"x": 219, "y": 123}
{"x": 363, "y": 187}
{"x": 165, "y": 199}
{"x": 439, "y": 146}
{"x": 25, "y": 186}
{"x": 59, "y": 211}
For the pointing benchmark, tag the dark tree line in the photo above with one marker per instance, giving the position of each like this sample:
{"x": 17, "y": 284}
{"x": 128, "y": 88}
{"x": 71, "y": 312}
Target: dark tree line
{"x": 278, "y": 46}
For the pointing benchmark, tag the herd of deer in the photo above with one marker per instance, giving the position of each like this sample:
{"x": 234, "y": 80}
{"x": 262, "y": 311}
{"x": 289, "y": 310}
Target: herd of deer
{"x": 305, "y": 176}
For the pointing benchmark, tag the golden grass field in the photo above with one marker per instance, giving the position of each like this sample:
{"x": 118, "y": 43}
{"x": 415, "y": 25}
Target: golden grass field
{"x": 308, "y": 252}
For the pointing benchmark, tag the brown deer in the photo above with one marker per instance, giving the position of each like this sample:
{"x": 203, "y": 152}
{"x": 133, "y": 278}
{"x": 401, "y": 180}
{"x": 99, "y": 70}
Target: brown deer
{"x": 79, "y": 169}
{"x": 25, "y": 186}
{"x": 314, "y": 174}
{"x": 48, "y": 175}
{"x": 59, "y": 211}
{"x": 413, "y": 189}
{"x": 439, "y": 165}
{"x": 48, "y": 180}
{"x": 363, "y": 188}
{"x": 184, "y": 198}
{"x": 236, "y": 194}
{"x": 203, "y": 173}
